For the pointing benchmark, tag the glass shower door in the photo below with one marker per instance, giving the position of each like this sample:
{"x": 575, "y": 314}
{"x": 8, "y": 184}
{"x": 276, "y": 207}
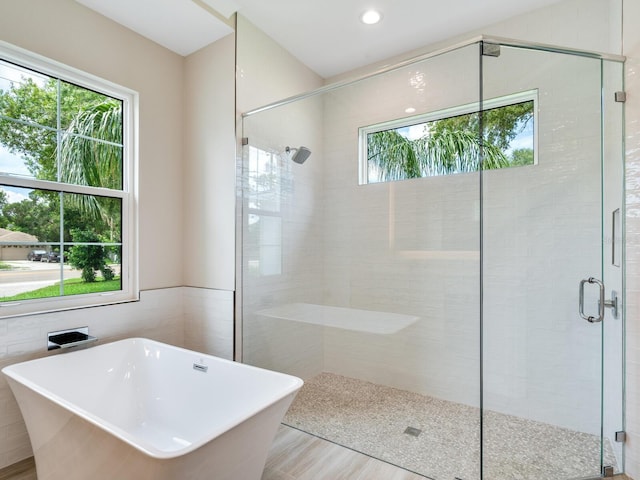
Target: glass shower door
{"x": 543, "y": 250}
{"x": 434, "y": 315}
{"x": 363, "y": 279}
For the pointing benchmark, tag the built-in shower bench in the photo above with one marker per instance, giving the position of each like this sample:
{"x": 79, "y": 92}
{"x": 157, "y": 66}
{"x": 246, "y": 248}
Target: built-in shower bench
{"x": 369, "y": 321}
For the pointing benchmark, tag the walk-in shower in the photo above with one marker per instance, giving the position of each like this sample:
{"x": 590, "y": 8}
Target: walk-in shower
{"x": 423, "y": 272}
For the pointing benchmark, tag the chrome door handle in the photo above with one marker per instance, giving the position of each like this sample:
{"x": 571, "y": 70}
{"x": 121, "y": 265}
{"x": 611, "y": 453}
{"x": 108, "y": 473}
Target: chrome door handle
{"x": 601, "y": 303}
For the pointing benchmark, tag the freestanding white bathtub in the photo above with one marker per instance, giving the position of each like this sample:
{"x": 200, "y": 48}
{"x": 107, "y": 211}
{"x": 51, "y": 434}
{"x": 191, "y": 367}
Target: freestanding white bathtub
{"x": 140, "y": 409}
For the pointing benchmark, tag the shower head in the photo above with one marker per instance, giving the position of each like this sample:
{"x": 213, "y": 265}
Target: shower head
{"x": 299, "y": 155}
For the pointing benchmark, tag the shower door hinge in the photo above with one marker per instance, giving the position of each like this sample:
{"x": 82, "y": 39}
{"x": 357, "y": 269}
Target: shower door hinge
{"x": 621, "y": 97}
{"x": 621, "y": 436}
{"x": 245, "y": 141}
{"x": 491, "y": 49}
{"x": 607, "y": 471}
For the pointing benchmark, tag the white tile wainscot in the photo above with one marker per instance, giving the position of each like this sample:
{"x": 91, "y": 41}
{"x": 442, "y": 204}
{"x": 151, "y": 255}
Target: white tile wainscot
{"x": 208, "y": 321}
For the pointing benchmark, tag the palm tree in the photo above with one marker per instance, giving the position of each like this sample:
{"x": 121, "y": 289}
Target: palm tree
{"x": 91, "y": 154}
{"x": 440, "y": 152}
{"x": 460, "y": 143}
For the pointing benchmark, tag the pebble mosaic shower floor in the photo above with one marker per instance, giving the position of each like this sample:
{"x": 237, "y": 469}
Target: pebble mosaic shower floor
{"x": 444, "y": 444}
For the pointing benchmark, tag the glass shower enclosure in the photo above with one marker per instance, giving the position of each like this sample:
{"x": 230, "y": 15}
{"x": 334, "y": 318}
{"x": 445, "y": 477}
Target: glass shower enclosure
{"x": 436, "y": 249}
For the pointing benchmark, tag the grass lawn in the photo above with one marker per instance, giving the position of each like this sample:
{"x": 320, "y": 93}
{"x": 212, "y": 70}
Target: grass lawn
{"x": 73, "y": 286}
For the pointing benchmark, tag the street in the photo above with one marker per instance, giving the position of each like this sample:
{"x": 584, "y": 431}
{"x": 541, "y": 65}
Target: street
{"x": 26, "y": 276}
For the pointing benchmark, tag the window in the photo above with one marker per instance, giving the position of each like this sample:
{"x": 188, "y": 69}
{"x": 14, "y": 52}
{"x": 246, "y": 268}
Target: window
{"x": 266, "y": 174}
{"x": 448, "y": 141}
{"x": 67, "y": 204}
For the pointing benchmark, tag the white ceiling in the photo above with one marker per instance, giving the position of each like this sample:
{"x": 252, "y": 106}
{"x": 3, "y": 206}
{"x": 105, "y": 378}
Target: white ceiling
{"x": 179, "y": 25}
{"x": 326, "y": 35}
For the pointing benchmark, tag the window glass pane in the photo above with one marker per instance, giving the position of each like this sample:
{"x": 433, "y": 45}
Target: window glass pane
{"x": 32, "y": 272}
{"x": 93, "y": 231}
{"x": 264, "y": 255}
{"x": 27, "y": 150}
{"x": 89, "y": 142}
{"x": 29, "y": 215}
{"x": 99, "y": 219}
{"x": 28, "y": 96}
{"x": 90, "y": 113}
{"x": 90, "y": 162}
{"x": 264, "y": 180}
{"x": 26, "y": 273}
{"x": 93, "y": 268}
{"x": 509, "y": 130}
{"x": 264, "y": 245}
{"x": 451, "y": 144}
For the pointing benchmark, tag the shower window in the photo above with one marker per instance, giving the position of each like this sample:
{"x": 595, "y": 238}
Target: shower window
{"x": 448, "y": 142}
{"x": 66, "y": 188}
{"x": 266, "y": 174}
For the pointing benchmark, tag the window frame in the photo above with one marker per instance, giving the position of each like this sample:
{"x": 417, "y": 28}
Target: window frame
{"x": 487, "y": 104}
{"x": 130, "y": 290}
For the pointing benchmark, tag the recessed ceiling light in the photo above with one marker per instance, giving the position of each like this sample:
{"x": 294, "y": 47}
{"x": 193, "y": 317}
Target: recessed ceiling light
{"x": 410, "y": 110}
{"x": 371, "y": 17}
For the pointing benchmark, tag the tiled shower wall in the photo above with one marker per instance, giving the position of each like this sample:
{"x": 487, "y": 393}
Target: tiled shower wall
{"x": 412, "y": 247}
{"x": 268, "y": 341}
{"x": 632, "y": 106}
{"x": 407, "y": 247}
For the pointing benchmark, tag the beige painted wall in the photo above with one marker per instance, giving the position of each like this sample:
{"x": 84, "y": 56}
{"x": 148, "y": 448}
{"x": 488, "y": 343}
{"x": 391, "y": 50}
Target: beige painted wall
{"x": 67, "y": 32}
{"x": 266, "y": 72}
{"x": 209, "y": 167}
{"x": 209, "y": 198}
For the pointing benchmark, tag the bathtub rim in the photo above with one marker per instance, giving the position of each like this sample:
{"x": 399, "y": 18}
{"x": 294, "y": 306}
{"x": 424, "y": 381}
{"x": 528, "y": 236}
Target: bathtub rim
{"x": 122, "y": 434}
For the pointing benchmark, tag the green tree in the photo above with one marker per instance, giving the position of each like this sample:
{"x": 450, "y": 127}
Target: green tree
{"x": 85, "y": 161}
{"x": 450, "y": 145}
{"x": 521, "y": 156}
{"x": 89, "y": 258}
{"x": 28, "y": 102}
{"x": 3, "y": 202}
{"x": 441, "y": 152}
{"x": 36, "y": 106}
{"x": 89, "y": 153}
{"x": 34, "y": 215}
{"x": 500, "y": 125}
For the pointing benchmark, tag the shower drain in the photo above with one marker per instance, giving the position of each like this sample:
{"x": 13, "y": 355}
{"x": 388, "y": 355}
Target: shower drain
{"x": 414, "y": 432}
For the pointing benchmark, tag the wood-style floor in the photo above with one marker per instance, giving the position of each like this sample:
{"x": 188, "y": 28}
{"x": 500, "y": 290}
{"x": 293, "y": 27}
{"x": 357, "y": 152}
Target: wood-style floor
{"x": 295, "y": 455}
{"x": 24, "y": 470}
